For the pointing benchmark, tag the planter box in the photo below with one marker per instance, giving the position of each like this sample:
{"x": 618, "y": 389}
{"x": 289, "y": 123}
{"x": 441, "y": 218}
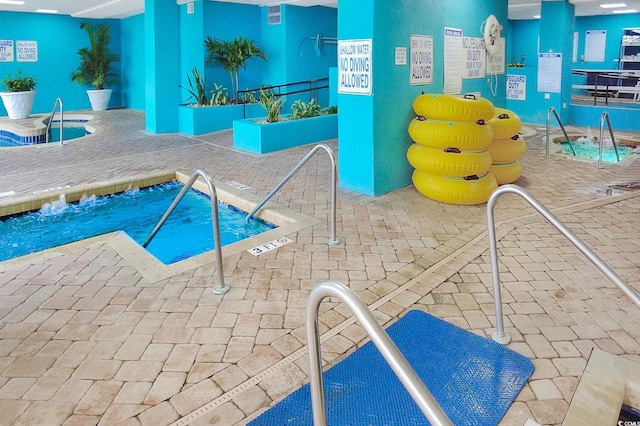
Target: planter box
{"x": 268, "y": 137}
{"x": 207, "y": 119}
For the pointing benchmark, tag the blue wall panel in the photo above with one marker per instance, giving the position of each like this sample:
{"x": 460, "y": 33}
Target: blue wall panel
{"x": 132, "y": 62}
{"x": 57, "y": 57}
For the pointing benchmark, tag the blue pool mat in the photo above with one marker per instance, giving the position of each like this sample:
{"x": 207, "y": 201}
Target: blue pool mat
{"x": 474, "y": 379}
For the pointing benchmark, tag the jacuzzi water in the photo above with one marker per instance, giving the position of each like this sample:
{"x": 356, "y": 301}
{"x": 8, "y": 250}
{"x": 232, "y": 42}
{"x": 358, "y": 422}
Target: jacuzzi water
{"x": 587, "y": 148}
{"x": 68, "y": 132}
{"x": 187, "y": 232}
{"x": 72, "y": 129}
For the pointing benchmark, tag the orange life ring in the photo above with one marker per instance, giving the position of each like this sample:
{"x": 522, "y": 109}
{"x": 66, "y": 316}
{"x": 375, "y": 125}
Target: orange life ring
{"x": 507, "y": 150}
{"x": 465, "y": 191}
{"x": 506, "y": 172}
{"x": 449, "y": 161}
{"x": 504, "y": 123}
{"x": 453, "y": 107}
{"x": 466, "y": 136}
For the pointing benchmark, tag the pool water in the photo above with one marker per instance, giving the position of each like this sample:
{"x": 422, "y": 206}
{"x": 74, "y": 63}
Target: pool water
{"x": 68, "y": 132}
{"x": 187, "y": 232}
{"x": 587, "y": 148}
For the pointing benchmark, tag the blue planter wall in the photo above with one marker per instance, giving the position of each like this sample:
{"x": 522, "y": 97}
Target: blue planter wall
{"x": 57, "y": 57}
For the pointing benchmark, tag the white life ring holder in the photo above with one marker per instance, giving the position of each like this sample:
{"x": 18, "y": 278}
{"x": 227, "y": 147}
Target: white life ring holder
{"x": 491, "y": 31}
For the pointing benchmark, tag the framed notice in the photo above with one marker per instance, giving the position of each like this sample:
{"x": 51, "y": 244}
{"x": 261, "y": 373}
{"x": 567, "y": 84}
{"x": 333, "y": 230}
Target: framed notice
{"x": 452, "y": 60}
{"x": 421, "y": 71}
{"x": 6, "y": 51}
{"x": 516, "y": 87}
{"x": 549, "y": 72}
{"x": 27, "y": 51}
{"x": 594, "y": 45}
{"x": 354, "y": 67}
{"x": 473, "y": 57}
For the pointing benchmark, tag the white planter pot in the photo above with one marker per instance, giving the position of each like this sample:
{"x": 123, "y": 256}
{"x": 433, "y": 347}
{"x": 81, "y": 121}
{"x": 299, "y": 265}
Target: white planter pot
{"x": 99, "y": 99}
{"x": 18, "y": 104}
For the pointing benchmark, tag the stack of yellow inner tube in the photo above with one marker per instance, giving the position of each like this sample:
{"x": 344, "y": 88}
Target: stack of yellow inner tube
{"x": 450, "y": 154}
{"x": 507, "y": 146}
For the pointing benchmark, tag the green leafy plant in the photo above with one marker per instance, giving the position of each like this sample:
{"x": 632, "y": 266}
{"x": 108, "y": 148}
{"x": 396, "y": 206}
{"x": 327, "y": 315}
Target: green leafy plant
{"x": 330, "y": 110}
{"x": 96, "y": 61}
{"x": 232, "y": 55}
{"x": 219, "y": 95}
{"x": 249, "y": 97}
{"x": 196, "y": 88}
{"x": 18, "y": 82}
{"x": 301, "y": 109}
{"x": 272, "y": 104}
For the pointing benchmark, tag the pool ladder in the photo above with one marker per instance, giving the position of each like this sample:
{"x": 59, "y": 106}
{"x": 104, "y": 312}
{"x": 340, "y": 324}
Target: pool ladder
{"x": 605, "y": 116}
{"x": 221, "y": 288}
{"x": 549, "y": 111}
{"x": 390, "y": 352}
{"x": 48, "y": 131}
{"x": 333, "y": 240}
{"x": 499, "y": 335}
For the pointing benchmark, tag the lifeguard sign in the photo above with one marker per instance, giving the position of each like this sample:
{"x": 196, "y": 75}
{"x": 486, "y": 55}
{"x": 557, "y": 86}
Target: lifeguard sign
{"x": 354, "y": 67}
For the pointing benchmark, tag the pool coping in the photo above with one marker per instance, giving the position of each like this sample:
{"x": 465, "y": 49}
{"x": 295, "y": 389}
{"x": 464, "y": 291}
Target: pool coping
{"x": 287, "y": 221}
{"x": 36, "y": 125}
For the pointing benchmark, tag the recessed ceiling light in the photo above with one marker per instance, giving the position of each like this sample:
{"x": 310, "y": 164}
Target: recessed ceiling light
{"x": 612, "y": 5}
{"x": 11, "y": 2}
{"x": 46, "y": 11}
{"x": 625, "y": 11}
{"x": 536, "y": 16}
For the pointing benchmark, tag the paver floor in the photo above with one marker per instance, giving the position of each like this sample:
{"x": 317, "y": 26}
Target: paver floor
{"x": 85, "y": 339}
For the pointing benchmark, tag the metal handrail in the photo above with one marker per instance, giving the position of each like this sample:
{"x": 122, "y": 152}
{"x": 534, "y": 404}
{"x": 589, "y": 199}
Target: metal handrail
{"x": 398, "y": 363}
{"x": 221, "y": 288}
{"x": 310, "y": 89}
{"x": 55, "y": 104}
{"x": 499, "y": 335}
{"x": 333, "y": 240}
{"x": 605, "y": 115}
{"x": 549, "y": 111}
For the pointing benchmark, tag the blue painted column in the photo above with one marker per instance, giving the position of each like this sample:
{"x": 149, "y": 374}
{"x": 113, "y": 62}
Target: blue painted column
{"x": 162, "y": 65}
{"x": 557, "y": 23}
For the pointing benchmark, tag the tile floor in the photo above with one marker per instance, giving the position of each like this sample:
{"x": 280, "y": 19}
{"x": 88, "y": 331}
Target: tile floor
{"x": 85, "y": 339}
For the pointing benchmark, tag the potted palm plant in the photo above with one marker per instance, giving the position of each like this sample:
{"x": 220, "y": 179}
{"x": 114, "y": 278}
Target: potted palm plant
{"x": 232, "y": 55}
{"x": 95, "y": 68}
{"x": 19, "y": 94}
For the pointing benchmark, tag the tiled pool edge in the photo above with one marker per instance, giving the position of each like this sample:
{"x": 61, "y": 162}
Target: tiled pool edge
{"x": 31, "y": 131}
{"x": 288, "y": 222}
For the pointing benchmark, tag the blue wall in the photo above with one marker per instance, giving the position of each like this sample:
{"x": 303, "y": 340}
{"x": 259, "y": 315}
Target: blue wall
{"x": 132, "y": 62}
{"x": 373, "y": 129}
{"x": 57, "y": 57}
{"x": 523, "y": 38}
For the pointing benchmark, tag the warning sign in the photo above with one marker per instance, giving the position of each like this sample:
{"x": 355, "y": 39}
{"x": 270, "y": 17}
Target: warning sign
{"x": 354, "y": 67}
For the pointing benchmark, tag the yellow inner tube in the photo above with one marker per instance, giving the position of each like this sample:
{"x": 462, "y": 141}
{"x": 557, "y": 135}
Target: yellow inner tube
{"x": 506, "y": 172}
{"x": 455, "y": 190}
{"x": 505, "y": 124}
{"x": 449, "y": 161}
{"x": 466, "y": 136}
{"x": 507, "y": 150}
{"x": 453, "y": 107}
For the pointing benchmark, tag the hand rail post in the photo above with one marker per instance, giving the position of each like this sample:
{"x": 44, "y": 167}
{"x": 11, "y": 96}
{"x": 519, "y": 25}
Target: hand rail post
{"x": 500, "y": 335}
{"x": 221, "y": 288}
{"x": 333, "y": 240}
{"x": 55, "y": 104}
{"x": 403, "y": 370}
{"x": 605, "y": 116}
{"x": 566, "y": 136}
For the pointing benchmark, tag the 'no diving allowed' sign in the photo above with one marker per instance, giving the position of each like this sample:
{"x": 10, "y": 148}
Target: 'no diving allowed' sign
{"x": 354, "y": 66}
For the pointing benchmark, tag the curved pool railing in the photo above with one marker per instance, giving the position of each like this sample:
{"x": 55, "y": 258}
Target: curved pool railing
{"x": 48, "y": 131}
{"x": 605, "y": 116}
{"x": 499, "y": 335}
{"x": 333, "y": 240}
{"x": 566, "y": 136}
{"x": 221, "y": 288}
{"x": 403, "y": 370}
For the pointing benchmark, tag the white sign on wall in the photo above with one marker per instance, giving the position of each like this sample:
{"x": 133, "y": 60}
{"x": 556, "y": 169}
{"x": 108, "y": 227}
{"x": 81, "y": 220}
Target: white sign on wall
{"x": 27, "y": 51}
{"x": 452, "y": 60}
{"x": 594, "y": 45}
{"x": 421, "y": 54}
{"x": 549, "y": 72}
{"x": 401, "y": 56}
{"x": 6, "y": 50}
{"x": 473, "y": 57}
{"x": 354, "y": 67}
{"x": 496, "y": 63}
{"x": 517, "y": 87}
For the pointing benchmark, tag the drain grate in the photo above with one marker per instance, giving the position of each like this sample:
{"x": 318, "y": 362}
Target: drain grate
{"x": 620, "y": 188}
